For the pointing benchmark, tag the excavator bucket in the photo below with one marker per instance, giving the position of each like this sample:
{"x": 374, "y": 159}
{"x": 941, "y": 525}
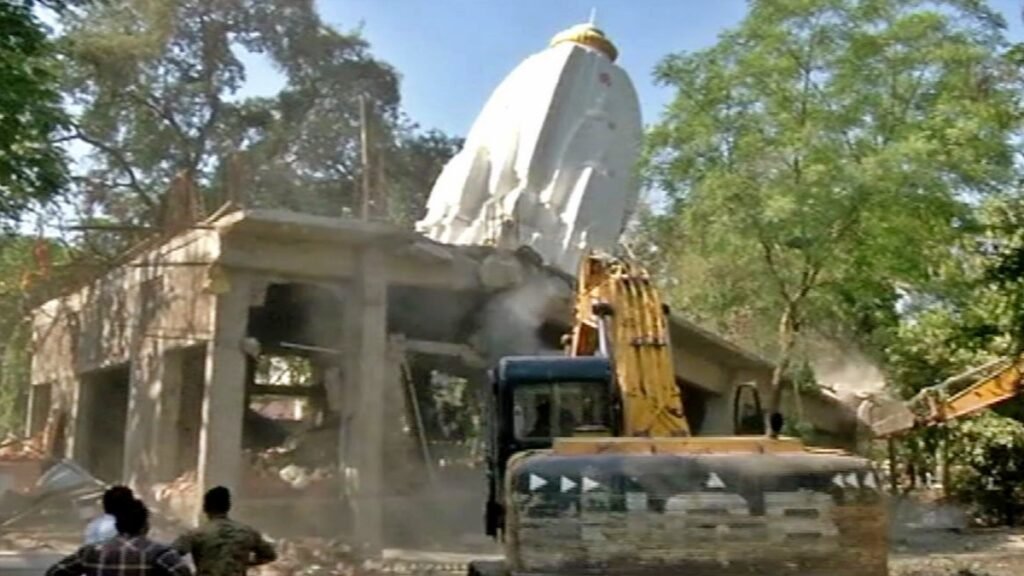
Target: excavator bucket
{"x": 658, "y": 514}
{"x": 890, "y": 418}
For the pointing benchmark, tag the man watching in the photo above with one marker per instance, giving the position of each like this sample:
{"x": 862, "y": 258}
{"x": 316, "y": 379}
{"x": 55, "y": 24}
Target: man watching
{"x": 103, "y": 527}
{"x": 222, "y": 546}
{"x": 130, "y": 553}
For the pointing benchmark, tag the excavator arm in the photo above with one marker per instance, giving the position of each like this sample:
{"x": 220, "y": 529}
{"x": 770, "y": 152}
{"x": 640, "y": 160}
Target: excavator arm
{"x": 619, "y": 315}
{"x": 995, "y": 383}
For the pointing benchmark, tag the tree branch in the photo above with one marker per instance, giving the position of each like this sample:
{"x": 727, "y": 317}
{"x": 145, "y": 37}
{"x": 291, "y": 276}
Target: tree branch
{"x": 208, "y": 76}
{"x": 163, "y": 113}
{"x": 769, "y": 258}
{"x": 119, "y": 158}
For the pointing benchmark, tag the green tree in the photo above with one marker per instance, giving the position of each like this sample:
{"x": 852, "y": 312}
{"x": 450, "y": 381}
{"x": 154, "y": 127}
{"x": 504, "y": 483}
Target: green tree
{"x": 32, "y": 165}
{"x": 820, "y": 156}
{"x": 31, "y": 271}
{"x": 158, "y": 85}
{"x": 411, "y": 165}
{"x": 989, "y": 470}
{"x": 1003, "y": 270}
{"x": 970, "y": 313}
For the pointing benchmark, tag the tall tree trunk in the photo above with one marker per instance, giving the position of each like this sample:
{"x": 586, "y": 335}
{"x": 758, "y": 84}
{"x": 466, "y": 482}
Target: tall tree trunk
{"x": 787, "y": 341}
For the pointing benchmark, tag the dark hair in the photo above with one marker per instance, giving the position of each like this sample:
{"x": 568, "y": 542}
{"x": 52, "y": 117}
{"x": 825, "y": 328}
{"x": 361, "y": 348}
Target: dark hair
{"x": 217, "y": 501}
{"x": 115, "y": 497}
{"x": 133, "y": 518}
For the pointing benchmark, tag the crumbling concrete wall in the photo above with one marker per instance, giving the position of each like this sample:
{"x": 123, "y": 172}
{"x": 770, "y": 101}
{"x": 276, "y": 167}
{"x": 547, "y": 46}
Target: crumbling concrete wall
{"x": 129, "y": 317}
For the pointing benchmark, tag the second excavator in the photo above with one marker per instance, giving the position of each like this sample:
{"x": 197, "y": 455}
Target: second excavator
{"x": 593, "y": 468}
{"x": 989, "y": 385}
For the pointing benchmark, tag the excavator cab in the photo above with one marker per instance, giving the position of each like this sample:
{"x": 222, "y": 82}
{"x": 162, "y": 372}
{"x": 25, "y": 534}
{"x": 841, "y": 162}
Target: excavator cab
{"x": 535, "y": 400}
{"x": 747, "y": 413}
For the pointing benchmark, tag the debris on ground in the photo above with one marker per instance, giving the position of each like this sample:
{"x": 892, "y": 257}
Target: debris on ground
{"x": 275, "y": 472}
{"x": 64, "y": 491}
{"x": 322, "y": 557}
{"x": 14, "y": 448}
{"x": 970, "y": 552}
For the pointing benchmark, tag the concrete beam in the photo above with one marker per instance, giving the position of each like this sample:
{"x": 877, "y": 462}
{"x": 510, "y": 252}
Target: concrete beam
{"x": 220, "y": 438}
{"x": 466, "y": 353}
{"x": 296, "y": 259}
{"x": 314, "y": 261}
{"x": 699, "y": 369}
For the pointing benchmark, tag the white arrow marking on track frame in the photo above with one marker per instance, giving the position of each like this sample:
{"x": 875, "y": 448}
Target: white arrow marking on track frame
{"x": 567, "y": 484}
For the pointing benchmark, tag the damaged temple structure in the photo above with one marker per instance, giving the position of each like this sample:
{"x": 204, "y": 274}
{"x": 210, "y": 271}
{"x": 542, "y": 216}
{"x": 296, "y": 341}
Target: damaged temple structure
{"x": 329, "y": 371}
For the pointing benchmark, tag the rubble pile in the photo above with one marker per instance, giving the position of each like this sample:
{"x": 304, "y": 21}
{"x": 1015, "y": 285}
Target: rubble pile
{"x": 312, "y": 557}
{"x": 305, "y": 461}
{"x": 275, "y": 472}
{"x": 185, "y": 486}
{"x": 14, "y": 448}
{"x": 50, "y": 514}
{"x": 22, "y": 462}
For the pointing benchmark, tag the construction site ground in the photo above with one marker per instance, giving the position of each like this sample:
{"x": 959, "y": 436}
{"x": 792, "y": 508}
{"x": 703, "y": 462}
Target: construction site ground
{"x": 971, "y": 552}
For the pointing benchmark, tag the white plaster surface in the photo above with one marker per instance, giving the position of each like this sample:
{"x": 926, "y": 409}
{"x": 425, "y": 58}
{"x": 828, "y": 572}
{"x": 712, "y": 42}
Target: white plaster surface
{"x": 549, "y": 162}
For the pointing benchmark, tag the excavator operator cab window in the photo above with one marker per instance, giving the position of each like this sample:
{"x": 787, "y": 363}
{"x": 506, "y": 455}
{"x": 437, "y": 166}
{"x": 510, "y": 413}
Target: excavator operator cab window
{"x": 561, "y": 409}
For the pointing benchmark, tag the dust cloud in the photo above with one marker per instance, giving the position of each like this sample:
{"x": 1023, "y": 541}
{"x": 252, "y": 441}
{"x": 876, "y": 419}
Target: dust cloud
{"x": 511, "y": 322}
{"x": 846, "y": 371}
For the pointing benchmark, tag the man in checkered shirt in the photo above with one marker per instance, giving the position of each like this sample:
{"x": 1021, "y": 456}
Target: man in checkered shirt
{"x": 131, "y": 553}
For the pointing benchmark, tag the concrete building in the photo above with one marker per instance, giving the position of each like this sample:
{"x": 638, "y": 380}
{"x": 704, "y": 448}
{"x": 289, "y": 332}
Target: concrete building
{"x": 155, "y": 366}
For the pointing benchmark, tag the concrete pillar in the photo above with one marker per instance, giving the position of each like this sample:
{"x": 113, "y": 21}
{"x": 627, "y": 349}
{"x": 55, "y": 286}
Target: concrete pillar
{"x": 220, "y": 437}
{"x": 166, "y": 435}
{"x": 82, "y": 410}
{"x": 143, "y": 397}
{"x": 40, "y": 400}
{"x": 366, "y": 371}
{"x": 32, "y": 419}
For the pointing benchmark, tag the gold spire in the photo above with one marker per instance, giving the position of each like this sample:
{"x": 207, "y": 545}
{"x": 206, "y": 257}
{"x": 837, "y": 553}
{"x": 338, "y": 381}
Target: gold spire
{"x": 587, "y": 35}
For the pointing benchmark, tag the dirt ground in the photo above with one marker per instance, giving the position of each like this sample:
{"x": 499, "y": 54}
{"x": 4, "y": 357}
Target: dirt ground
{"x": 975, "y": 552}
{"x": 971, "y": 552}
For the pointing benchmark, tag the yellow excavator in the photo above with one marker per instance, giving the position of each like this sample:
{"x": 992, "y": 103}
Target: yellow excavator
{"x": 593, "y": 469}
{"x": 993, "y": 383}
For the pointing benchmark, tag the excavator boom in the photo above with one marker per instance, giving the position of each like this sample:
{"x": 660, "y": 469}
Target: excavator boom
{"x": 619, "y": 314}
{"x": 994, "y": 383}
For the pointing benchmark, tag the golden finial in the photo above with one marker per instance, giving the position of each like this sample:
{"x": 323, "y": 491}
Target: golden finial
{"x": 588, "y": 35}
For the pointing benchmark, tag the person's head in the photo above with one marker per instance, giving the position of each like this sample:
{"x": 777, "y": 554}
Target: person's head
{"x": 115, "y": 497}
{"x": 132, "y": 519}
{"x": 217, "y": 501}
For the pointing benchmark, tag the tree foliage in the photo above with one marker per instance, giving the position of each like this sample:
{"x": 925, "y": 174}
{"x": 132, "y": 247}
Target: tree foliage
{"x": 989, "y": 470}
{"x": 29, "y": 274}
{"x": 411, "y": 166}
{"x": 970, "y": 314}
{"x": 32, "y": 165}
{"x": 159, "y": 85}
{"x": 821, "y": 157}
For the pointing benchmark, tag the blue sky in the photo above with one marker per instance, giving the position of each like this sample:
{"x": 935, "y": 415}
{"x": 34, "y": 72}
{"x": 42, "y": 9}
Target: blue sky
{"x": 452, "y": 53}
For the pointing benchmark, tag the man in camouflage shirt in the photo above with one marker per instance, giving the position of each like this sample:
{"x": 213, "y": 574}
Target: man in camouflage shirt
{"x": 223, "y": 547}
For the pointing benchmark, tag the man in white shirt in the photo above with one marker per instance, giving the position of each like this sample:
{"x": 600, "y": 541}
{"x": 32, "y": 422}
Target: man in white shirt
{"x": 104, "y": 527}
